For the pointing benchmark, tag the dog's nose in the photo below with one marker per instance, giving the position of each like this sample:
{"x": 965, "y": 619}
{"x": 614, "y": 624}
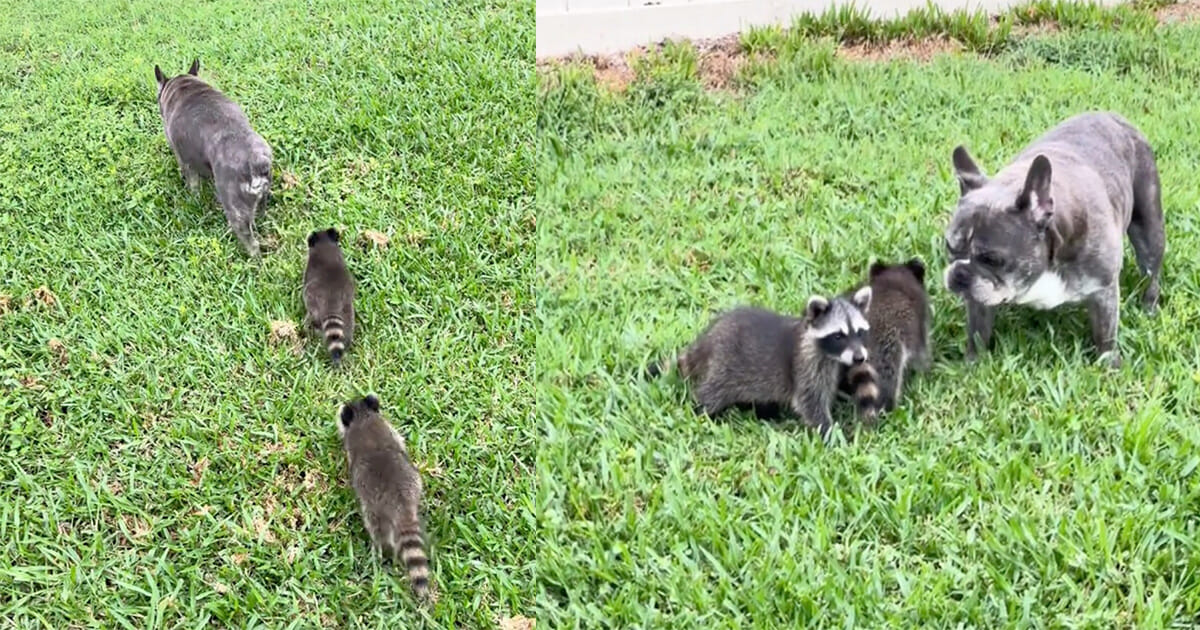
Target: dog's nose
{"x": 960, "y": 279}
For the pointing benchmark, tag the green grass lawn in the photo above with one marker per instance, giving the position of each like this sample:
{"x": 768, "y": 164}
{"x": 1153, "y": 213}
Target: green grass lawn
{"x": 1033, "y": 489}
{"x": 165, "y": 464}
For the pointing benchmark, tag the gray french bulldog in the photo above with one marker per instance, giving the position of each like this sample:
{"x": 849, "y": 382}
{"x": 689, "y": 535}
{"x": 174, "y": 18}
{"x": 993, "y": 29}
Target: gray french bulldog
{"x": 1046, "y": 230}
{"x": 212, "y": 139}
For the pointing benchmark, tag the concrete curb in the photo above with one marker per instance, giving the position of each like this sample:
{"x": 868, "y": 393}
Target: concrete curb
{"x": 565, "y": 27}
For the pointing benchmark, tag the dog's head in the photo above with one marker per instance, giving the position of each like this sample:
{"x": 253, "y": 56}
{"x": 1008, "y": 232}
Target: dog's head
{"x": 163, "y": 79}
{"x": 1001, "y": 238}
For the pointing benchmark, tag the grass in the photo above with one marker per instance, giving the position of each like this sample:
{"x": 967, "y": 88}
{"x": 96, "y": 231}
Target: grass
{"x": 164, "y": 463}
{"x": 1032, "y": 489}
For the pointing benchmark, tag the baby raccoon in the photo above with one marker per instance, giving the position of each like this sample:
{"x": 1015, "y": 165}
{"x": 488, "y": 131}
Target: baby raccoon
{"x": 899, "y": 318}
{"x": 329, "y": 292}
{"x": 388, "y": 487}
{"x": 754, "y": 356}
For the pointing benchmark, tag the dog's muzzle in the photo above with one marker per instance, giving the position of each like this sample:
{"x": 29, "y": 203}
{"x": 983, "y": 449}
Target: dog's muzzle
{"x": 958, "y": 278}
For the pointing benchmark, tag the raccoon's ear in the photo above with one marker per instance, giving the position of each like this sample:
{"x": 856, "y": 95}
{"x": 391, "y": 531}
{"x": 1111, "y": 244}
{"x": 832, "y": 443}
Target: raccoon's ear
{"x": 333, "y": 234}
{"x": 159, "y": 76}
{"x": 817, "y": 305}
{"x": 917, "y": 267}
{"x": 195, "y": 69}
{"x": 346, "y": 415}
{"x": 372, "y": 402}
{"x": 312, "y": 238}
{"x": 862, "y": 299}
{"x": 968, "y": 173}
{"x": 1035, "y": 198}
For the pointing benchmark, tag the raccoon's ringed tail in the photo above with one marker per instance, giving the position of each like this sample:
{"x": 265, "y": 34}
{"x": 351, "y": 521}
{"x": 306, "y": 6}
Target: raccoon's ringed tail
{"x": 412, "y": 552}
{"x": 334, "y": 330}
{"x": 864, "y": 381}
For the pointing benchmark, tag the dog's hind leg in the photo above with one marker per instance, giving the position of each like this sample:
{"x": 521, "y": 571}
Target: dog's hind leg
{"x": 1146, "y": 231}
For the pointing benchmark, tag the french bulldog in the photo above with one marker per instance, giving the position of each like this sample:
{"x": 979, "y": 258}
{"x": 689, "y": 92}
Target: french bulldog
{"x": 1046, "y": 230}
{"x": 212, "y": 139}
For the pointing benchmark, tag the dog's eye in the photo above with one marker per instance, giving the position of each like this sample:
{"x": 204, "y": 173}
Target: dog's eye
{"x": 990, "y": 260}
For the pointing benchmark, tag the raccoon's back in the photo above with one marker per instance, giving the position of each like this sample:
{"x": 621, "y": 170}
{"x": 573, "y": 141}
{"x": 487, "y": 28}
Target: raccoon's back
{"x": 384, "y": 479}
{"x": 749, "y": 345}
{"x": 899, "y": 327}
{"x": 328, "y": 286}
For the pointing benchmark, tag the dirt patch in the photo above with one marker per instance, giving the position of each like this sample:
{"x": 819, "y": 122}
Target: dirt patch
{"x": 612, "y": 72}
{"x": 1186, "y": 11}
{"x": 285, "y": 333}
{"x": 59, "y": 350}
{"x": 517, "y": 622}
{"x": 43, "y": 295}
{"x": 198, "y": 471}
{"x": 374, "y": 238}
{"x": 720, "y": 60}
{"x": 918, "y": 49}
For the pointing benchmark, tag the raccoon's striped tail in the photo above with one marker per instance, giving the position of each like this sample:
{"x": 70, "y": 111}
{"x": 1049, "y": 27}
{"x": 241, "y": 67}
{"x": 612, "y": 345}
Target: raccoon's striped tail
{"x": 334, "y": 330}
{"x": 864, "y": 383}
{"x": 409, "y": 546}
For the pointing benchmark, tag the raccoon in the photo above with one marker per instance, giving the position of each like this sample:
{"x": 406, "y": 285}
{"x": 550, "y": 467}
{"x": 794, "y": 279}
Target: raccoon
{"x": 754, "y": 356}
{"x": 388, "y": 488}
{"x": 329, "y": 292}
{"x": 899, "y": 339}
{"x": 212, "y": 139}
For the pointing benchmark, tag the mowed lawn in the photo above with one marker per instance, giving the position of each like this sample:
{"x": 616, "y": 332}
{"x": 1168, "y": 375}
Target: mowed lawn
{"x": 1033, "y": 489}
{"x": 166, "y": 462}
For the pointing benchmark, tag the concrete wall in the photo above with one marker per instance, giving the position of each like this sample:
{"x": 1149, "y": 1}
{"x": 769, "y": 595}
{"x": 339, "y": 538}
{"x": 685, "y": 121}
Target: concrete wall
{"x": 607, "y": 26}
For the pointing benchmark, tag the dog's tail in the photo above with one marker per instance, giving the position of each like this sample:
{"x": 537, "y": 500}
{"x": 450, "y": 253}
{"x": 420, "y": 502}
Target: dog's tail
{"x": 334, "y": 330}
{"x": 408, "y": 545}
{"x": 864, "y": 382}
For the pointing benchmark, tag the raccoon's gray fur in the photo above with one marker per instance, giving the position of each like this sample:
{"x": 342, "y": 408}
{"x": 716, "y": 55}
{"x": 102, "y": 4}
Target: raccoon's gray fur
{"x": 754, "y": 356}
{"x": 899, "y": 339}
{"x": 212, "y": 139}
{"x": 329, "y": 292}
{"x": 388, "y": 488}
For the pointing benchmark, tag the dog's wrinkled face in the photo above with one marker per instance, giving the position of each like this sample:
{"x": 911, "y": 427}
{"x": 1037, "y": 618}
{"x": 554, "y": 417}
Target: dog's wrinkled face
{"x": 997, "y": 241}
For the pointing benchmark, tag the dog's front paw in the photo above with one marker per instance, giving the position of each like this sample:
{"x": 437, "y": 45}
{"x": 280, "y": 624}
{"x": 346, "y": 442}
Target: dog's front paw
{"x": 1112, "y": 359}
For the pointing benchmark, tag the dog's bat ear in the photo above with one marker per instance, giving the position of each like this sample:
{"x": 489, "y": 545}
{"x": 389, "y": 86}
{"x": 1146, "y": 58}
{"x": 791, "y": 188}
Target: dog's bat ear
{"x": 159, "y": 76}
{"x": 195, "y": 69}
{"x": 1035, "y": 197}
{"x": 968, "y": 173}
{"x": 877, "y": 268}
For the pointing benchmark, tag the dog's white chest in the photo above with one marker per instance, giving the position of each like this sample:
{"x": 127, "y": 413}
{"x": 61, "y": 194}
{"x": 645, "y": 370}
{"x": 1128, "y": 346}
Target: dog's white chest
{"x": 1050, "y": 291}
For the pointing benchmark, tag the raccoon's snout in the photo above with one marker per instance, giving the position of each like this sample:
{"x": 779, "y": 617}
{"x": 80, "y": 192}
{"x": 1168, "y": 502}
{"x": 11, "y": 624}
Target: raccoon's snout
{"x": 853, "y": 356}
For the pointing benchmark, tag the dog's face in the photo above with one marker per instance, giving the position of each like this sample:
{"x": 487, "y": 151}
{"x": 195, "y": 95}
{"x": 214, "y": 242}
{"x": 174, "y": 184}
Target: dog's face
{"x": 998, "y": 240}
